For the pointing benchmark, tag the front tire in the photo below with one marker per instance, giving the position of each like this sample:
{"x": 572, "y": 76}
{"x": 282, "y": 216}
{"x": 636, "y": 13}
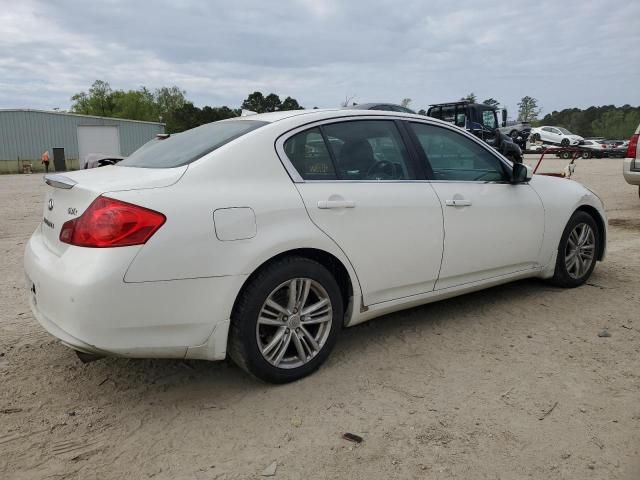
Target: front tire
{"x": 565, "y": 142}
{"x": 577, "y": 251}
{"x": 286, "y": 321}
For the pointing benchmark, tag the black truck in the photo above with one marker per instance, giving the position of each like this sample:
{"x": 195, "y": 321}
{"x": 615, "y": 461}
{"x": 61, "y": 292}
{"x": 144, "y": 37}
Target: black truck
{"x": 482, "y": 121}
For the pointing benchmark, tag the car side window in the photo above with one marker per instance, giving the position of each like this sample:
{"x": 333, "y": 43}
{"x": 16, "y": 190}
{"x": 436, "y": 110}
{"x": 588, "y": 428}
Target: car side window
{"x": 454, "y": 157}
{"x": 368, "y": 150}
{"x": 309, "y": 155}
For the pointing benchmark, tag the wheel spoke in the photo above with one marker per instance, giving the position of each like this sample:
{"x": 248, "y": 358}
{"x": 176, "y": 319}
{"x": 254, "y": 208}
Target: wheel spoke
{"x": 302, "y": 355}
{"x": 310, "y": 338}
{"x": 315, "y": 307}
{"x": 304, "y": 294}
{"x": 583, "y": 235}
{"x": 293, "y": 294}
{"x": 305, "y": 345}
{"x": 274, "y": 322}
{"x": 276, "y": 306}
{"x": 575, "y": 238}
{"x": 316, "y": 320}
{"x": 277, "y": 338}
{"x": 284, "y": 344}
{"x": 579, "y": 266}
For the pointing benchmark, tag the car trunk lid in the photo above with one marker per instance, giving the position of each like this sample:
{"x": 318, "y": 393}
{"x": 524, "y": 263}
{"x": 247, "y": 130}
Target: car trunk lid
{"x": 71, "y": 193}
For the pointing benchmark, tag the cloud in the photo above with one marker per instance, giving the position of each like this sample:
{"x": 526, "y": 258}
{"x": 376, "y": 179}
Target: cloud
{"x": 318, "y": 51}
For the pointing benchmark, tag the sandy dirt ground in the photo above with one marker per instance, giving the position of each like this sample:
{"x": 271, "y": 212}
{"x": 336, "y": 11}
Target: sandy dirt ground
{"x": 510, "y": 383}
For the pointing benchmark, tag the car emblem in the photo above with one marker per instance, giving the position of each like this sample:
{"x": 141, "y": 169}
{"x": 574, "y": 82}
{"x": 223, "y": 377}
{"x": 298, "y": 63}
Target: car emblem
{"x": 50, "y": 205}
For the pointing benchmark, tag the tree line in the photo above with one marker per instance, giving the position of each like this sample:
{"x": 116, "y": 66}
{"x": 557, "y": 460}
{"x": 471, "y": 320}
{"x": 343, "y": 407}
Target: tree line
{"x": 607, "y": 121}
{"x": 171, "y": 106}
{"x": 168, "y": 105}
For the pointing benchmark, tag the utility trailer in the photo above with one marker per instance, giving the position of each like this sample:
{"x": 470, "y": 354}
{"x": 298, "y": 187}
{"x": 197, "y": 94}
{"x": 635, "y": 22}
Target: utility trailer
{"x": 572, "y": 153}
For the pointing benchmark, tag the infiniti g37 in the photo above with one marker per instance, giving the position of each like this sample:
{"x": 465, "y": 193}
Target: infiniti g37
{"x": 261, "y": 237}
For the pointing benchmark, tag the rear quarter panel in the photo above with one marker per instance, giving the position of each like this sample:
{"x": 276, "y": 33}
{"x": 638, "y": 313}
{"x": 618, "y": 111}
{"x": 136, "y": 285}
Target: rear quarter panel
{"x": 240, "y": 174}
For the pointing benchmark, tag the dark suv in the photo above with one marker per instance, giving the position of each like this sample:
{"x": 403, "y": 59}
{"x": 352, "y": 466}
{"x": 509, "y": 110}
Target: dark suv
{"x": 482, "y": 121}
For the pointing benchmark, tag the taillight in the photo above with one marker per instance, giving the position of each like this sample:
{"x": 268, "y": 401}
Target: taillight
{"x": 632, "y": 149}
{"x": 111, "y": 223}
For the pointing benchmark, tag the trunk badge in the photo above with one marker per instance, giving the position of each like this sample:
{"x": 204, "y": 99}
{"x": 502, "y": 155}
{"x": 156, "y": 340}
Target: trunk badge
{"x": 50, "y": 205}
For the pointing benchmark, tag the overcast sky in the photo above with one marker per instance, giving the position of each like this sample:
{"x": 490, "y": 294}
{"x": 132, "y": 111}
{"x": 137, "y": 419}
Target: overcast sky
{"x": 569, "y": 53}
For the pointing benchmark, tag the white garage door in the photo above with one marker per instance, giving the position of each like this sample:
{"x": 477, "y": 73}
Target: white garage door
{"x": 97, "y": 139}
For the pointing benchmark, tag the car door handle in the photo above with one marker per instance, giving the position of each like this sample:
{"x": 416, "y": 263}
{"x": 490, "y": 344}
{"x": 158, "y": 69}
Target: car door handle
{"x": 458, "y": 203}
{"x": 325, "y": 204}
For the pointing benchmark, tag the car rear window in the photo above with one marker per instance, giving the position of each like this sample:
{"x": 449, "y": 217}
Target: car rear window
{"x": 186, "y": 147}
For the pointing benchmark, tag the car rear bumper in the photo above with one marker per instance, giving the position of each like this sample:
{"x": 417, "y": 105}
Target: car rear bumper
{"x": 631, "y": 176}
{"x": 81, "y": 298}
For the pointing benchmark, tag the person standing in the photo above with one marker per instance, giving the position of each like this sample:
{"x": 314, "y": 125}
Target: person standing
{"x": 44, "y": 158}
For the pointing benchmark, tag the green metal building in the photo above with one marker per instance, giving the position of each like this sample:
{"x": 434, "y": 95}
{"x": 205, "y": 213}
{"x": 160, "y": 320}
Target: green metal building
{"x": 68, "y": 137}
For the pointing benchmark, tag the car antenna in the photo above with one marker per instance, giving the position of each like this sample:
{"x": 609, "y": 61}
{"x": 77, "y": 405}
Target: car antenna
{"x": 162, "y": 136}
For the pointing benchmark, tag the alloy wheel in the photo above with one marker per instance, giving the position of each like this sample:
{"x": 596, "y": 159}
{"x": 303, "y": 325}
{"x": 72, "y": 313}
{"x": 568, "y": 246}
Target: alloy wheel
{"x": 580, "y": 251}
{"x": 294, "y": 323}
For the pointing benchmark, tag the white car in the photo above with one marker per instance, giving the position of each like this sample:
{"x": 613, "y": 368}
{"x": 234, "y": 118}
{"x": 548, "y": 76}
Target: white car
{"x": 631, "y": 163}
{"x": 555, "y": 135}
{"x": 594, "y": 148}
{"x": 260, "y": 237}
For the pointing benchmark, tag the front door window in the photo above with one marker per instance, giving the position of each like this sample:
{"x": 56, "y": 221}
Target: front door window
{"x": 452, "y": 156}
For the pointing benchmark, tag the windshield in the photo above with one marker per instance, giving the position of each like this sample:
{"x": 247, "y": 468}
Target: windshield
{"x": 183, "y": 148}
{"x": 564, "y": 130}
{"x": 489, "y": 119}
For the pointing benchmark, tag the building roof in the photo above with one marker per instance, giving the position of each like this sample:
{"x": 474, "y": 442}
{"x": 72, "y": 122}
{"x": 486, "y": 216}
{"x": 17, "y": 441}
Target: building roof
{"x": 75, "y": 115}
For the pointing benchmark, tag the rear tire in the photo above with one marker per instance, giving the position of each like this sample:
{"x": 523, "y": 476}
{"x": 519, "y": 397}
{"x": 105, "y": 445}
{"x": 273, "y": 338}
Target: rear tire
{"x": 271, "y": 336}
{"x": 586, "y": 155}
{"x": 577, "y": 251}
{"x": 535, "y": 137}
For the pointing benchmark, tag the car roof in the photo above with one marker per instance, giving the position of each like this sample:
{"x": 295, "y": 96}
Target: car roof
{"x": 273, "y": 117}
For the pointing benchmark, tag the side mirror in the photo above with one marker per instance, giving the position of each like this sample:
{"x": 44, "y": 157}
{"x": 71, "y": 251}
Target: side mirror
{"x": 504, "y": 117}
{"x": 521, "y": 173}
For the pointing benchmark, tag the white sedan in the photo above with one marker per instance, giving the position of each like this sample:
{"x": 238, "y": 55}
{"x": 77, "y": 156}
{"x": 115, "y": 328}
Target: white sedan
{"x": 555, "y": 135}
{"x": 261, "y": 237}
